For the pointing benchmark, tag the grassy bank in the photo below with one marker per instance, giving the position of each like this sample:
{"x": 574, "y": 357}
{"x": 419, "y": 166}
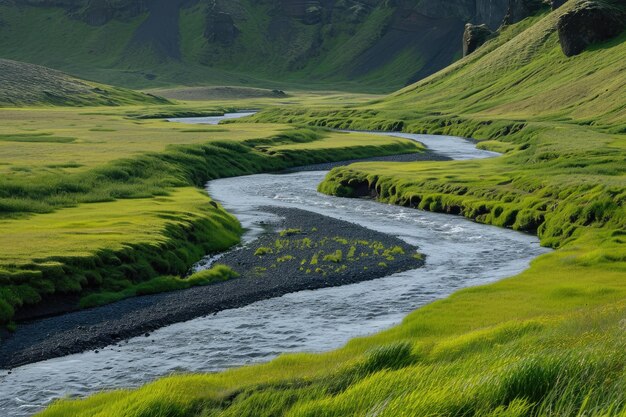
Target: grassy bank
{"x": 547, "y": 342}
{"x": 113, "y": 209}
{"x": 550, "y": 341}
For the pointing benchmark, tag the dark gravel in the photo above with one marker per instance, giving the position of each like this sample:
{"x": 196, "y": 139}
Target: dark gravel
{"x": 111, "y": 324}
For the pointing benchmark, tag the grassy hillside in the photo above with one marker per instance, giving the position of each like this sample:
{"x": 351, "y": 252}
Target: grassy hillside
{"x": 351, "y": 45}
{"x": 23, "y": 84}
{"x": 547, "y": 342}
{"x": 98, "y": 204}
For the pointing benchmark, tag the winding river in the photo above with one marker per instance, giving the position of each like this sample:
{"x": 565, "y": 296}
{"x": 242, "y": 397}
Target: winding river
{"x": 460, "y": 254}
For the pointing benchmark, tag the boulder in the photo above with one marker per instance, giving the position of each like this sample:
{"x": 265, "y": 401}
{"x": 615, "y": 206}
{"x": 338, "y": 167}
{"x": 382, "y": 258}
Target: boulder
{"x": 589, "y": 22}
{"x": 474, "y": 36}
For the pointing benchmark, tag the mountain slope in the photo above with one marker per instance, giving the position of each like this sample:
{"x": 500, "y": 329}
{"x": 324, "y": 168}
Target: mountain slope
{"x": 522, "y": 74}
{"x": 24, "y": 84}
{"x": 365, "y": 44}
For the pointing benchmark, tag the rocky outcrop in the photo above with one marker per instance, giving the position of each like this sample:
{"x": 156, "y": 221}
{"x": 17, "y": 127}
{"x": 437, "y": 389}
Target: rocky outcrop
{"x": 590, "y": 22}
{"x": 99, "y": 12}
{"x": 220, "y": 27}
{"x": 491, "y": 12}
{"x": 519, "y": 10}
{"x": 95, "y": 12}
{"x": 555, "y": 4}
{"x": 310, "y": 12}
{"x": 474, "y": 36}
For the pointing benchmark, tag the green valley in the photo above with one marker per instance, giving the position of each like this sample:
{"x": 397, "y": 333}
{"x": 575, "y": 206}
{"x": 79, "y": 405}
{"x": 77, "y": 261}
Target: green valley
{"x": 101, "y": 199}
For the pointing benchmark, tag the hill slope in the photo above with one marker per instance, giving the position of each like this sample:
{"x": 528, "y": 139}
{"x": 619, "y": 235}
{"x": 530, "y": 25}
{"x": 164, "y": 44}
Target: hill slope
{"x": 522, "y": 74}
{"x": 548, "y": 342}
{"x": 26, "y": 84}
{"x": 382, "y": 45}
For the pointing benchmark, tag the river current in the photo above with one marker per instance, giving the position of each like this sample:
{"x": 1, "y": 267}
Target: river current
{"x": 460, "y": 253}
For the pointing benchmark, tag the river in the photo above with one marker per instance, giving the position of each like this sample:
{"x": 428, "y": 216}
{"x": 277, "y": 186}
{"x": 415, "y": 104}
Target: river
{"x": 460, "y": 253}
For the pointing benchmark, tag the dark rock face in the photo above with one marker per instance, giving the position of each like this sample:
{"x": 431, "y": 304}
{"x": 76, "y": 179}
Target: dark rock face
{"x": 159, "y": 32}
{"x": 555, "y": 4}
{"x": 310, "y": 12}
{"x": 96, "y": 12}
{"x": 99, "y": 12}
{"x": 312, "y": 15}
{"x": 220, "y": 27}
{"x": 491, "y": 12}
{"x": 521, "y": 9}
{"x": 590, "y": 22}
{"x": 474, "y": 36}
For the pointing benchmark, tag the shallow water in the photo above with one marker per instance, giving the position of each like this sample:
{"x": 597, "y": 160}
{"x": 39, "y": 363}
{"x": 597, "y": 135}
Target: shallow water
{"x": 460, "y": 254}
{"x": 211, "y": 120}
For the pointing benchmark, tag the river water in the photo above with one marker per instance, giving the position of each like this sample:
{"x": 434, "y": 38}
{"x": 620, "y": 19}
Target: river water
{"x": 460, "y": 253}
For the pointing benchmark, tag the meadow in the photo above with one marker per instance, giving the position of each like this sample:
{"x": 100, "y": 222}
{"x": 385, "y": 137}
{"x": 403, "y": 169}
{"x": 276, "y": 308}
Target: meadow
{"x": 91, "y": 198}
{"x": 548, "y": 342}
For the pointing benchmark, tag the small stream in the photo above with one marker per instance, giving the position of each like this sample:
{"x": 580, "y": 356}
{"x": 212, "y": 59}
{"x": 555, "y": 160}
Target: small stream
{"x": 460, "y": 254}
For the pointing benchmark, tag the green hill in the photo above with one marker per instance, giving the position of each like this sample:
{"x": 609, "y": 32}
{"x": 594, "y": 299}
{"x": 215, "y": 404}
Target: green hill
{"x": 548, "y": 342}
{"x": 24, "y": 84}
{"x": 376, "y": 45}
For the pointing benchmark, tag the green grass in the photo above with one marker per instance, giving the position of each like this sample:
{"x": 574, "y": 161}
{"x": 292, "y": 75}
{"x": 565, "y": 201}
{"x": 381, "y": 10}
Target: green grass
{"x": 272, "y": 53}
{"x": 159, "y": 284}
{"x": 114, "y": 211}
{"x": 108, "y": 251}
{"x": 32, "y": 85}
{"x": 550, "y": 341}
{"x": 318, "y": 253}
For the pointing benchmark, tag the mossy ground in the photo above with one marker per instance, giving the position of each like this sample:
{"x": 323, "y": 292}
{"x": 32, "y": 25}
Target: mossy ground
{"x": 318, "y": 248}
{"x": 550, "y": 341}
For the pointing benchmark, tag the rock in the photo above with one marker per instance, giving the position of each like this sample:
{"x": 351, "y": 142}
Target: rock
{"x": 99, "y": 12}
{"x": 357, "y": 13}
{"x": 474, "y": 37}
{"x": 312, "y": 15}
{"x": 555, "y": 4}
{"x": 220, "y": 28}
{"x": 589, "y": 22}
{"x": 491, "y": 12}
{"x": 521, "y": 9}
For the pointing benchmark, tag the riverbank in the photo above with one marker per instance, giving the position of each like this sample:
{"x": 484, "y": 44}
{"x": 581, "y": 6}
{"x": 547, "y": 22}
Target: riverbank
{"x": 63, "y": 250}
{"x": 319, "y": 245}
{"x": 427, "y": 155}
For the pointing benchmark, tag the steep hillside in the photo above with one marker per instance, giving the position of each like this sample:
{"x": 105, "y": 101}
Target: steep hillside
{"x": 522, "y": 74}
{"x": 363, "y": 44}
{"x": 26, "y": 84}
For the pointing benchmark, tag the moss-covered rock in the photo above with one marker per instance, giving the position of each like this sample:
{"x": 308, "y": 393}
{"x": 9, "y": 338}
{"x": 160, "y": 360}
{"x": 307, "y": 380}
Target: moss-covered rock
{"x": 590, "y": 22}
{"x": 474, "y": 37}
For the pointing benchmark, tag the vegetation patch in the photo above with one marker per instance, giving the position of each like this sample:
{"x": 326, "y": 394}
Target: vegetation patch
{"x": 305, "y": 246}
{"x": 36, "y": 137}
{"x": 159, "y": 284}
{"x": 108, "y": 251}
